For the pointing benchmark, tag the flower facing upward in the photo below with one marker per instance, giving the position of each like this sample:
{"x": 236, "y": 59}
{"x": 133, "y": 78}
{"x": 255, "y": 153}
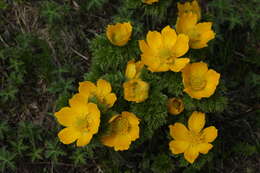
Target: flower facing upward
{"x": 81, "y": 120}
{"x": 193, "y": 141}
{"x": 133, "y": 69}
{"x": 160, "y": 51}
{"x": 136, "y": 90}
{"x": 189, "y": 7}
{"x": 175, "y": 106}
{"x": 119, "y": 34}
{"x": 199, "y": 33}
{"x": 199, "y": 81}
{"x": 102, "y": 92}
{"x": 149, "y": 1}
{"x": 122, "y": 130}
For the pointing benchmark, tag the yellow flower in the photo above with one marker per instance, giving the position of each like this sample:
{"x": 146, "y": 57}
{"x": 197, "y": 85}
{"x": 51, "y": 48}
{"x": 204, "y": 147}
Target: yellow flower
{"x": 119, "y": 34}
{"x": 136, "y": 90}
{"x": 102, "y": 92}
{"x": 199, "y": 81}
{"x": 123, "y": 129}
{"x": 199, "y": 33}
{"x": 81, "y": 120}
{"x": 133, "y": 69}
{"x": 160, "y": 51}
{"x": 189, "y": 7}
{"x": 175, "y": 106}
{"x": 193, "y": 141}
{"x": 149, "y": 1}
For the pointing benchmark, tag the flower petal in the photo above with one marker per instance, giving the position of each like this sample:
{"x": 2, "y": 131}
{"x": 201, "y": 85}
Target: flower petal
{"x": 130, "y": 71}
{"x": 186, "y": 22}
{"x": 103, "y": 87}
{"x": 178, "y": 147}
{"x": 154, "y": 39}
{"x": 143, "y": 46}
{"x": 66, "y": 116}
{"x": 69, "y": 135}
{"x": 191, "y": 154}
{"x": 122, "y": 142}
{"x": 182, "y": 45}
{"x": 169, "y": 37}
{"x": 179, "y": 132}
{"x": 134, "y": 132}
{"x": 84, "y": 139}
{"x": 132, "y": 119}
{"x": 204, "y": 147}
{"x": 179, "y": 64}
{"x": 93, "y": 117}
{"x": 78, "y": 99}
{"x": 196, "y": 121}
{"x": 198, "y": 69}
{"x": 110, "y": 99}
{"x": 212, "y": 78}
{"x": 108, "y": 140}
{"x": 78, "y": 104}
{"x": 87, "y": 88}
{"x": 209, "y": 134}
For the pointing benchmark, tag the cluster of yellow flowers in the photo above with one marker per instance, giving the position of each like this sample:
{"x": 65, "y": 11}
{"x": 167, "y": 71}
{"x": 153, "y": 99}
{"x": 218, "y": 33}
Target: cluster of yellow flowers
{"x": 82, "y": 118}
{"x": 161, "y": 51}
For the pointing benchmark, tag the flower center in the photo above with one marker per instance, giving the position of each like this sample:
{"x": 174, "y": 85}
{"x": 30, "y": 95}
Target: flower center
{"x": 196, "y": 138}
{"x": 121, "y": 126}
{"x": 197, "y": 82}
{"x": 83, "y": 123}
{"x": 176, "y": 104}
{"x": 165, "y": 53}
{"x": 117, "y": 37}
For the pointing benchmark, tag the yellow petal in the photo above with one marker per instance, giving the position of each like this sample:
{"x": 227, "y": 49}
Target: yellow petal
{"x": 191, "y": 154}
{"x": 202, "y": 34}
{"x": 87, "y": 88}
{"x": 113, "y": 118}
{"x": 186, "y": 76}
{"x": 182, "y": 45}
{"x": 179, "y": 64}
{"x": 204, "y": 147}
{"x": 110, "y": 99}
{"x": 78, "y": 99}
{"x": 66, "y": 116}
{"x": 69, "y": 135}
{"x": 78, "y": 104}
{"x": 196, "y": 121}
{"x": 84, "y": 139}
{"x": 154, "y": 40}
{"x": 189, "y": 7}
{"x": 132, "y": 119}
{"x": 149, "y": 1}
{"x": 179, "y": 132}
{"x": 209, "y": 134}
{"x": 108, "y": 140}
{"x": 103, "y": 87}
{"x": 130, "y": 70}
{"x": 143, "y": 46}
{"x": 178, "y": 147}
{"x": 134, "y": 132}
{"x": 122, "y": 142}
{"x": 186, "y": 22}
{"x": 212, "y": 78}
{"x": 169, "y": 37}
{"x": 151, "y": 61}
{"x": 93, "y": 117}
{"x": 198, "y": 69}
